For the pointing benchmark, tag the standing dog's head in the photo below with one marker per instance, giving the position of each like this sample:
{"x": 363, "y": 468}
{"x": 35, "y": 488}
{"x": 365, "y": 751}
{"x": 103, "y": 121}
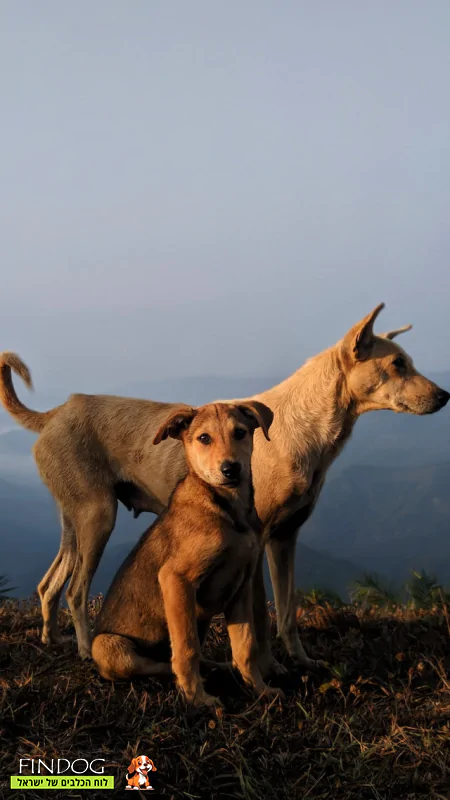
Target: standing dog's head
{"x": 380, "y": 375}
{"x": 218, "y": 438}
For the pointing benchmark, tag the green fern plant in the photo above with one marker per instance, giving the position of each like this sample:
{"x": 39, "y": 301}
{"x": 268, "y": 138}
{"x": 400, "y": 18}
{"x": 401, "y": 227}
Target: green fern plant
{"x": 5, "y": 588}
{"x": 423, "y": 589}
{"x": 315, "y": 597}
{"x": 369, "y": 591}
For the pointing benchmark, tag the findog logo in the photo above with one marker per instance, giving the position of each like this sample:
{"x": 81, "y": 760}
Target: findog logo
{"x": 59, "y": 766}
{"x": 61, "y": 773}
{"x": 137, "y": 774}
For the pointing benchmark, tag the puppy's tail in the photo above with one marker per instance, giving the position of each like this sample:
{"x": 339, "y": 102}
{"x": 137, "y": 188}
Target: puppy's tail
{"x": 32, "y": 420}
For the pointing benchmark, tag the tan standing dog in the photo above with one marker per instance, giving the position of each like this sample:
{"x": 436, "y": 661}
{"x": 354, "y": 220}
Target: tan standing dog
{"x": 195, "y": 561}
{"x": 96, "y": 450}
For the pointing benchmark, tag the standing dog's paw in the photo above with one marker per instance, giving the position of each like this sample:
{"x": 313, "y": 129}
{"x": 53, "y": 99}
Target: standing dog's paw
{"x": 84, "y": 653}
{"x": 278, "y": 669}
{"x": 269, "y": 666}
{"x": 311, "y": 664}
{"x": 273, "y": 691}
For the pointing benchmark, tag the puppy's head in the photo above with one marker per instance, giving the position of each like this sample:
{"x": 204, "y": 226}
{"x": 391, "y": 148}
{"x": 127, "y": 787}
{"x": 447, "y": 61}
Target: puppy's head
{"x": 218, "y": 438}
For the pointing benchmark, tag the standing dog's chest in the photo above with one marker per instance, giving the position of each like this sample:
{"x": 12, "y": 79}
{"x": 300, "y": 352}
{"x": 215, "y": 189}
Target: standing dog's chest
{"x": 298, "y": 507}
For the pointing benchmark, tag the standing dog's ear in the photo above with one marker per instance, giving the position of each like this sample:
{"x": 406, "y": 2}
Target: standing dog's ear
{"x": 393, "y": 334}
{"x": 260, "y": 415}
{"x": 360, "y": 340}
{"x": 175, "y": 424}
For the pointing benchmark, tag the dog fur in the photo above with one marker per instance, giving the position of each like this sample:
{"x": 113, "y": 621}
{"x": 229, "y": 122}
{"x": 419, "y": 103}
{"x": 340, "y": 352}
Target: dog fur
{"x": 195, "y": 561}
{"x": 96, "y": 450}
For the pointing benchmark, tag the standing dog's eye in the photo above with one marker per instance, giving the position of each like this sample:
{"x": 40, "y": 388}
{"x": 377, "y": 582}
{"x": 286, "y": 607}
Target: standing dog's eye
{"x": 239, "y": 433}
{"x": 204, "y": 438}
{"x": 399, "y": 362}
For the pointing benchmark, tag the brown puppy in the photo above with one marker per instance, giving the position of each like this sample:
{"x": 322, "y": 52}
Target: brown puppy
{"x": 195, "y": 561}
{"x": 95, "y": 450}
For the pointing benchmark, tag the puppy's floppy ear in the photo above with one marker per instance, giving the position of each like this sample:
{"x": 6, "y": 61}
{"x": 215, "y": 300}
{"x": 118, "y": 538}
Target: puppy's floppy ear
{"x": 152, "y": 766}
{"x": 133, "y": 765}
{"x": 175, "y": 424}
{"x": 359, "y": 341}
{"x": 393, "y": 334}
{"x": 260, "y": 415}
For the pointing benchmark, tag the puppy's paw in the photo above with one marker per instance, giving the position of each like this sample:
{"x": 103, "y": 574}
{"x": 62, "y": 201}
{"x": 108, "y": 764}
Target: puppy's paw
{"x": 51, "y": 639}
{"x": 205, "y": 699}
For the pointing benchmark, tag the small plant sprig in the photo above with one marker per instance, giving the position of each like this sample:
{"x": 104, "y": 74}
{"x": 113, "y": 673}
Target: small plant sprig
{"x": 5, "y": 588}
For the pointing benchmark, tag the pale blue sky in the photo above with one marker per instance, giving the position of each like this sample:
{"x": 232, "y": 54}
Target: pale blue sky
{"x": 201, "y": 187}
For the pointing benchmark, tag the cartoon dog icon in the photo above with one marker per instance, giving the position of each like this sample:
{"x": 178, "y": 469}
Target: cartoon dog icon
{"x": 137, "y": 773}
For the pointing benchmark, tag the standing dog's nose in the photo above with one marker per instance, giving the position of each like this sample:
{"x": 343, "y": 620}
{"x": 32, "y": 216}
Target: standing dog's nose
{"x": 231, "y": 470}
{"x": 443, "y": 397}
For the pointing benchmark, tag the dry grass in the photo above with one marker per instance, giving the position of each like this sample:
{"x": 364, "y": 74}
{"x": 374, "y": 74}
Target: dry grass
{"x": 376, "y": 727}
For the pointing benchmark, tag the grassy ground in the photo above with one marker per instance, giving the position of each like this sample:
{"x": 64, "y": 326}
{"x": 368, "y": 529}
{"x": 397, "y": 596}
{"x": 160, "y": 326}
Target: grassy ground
{"x": 377, "y": 726}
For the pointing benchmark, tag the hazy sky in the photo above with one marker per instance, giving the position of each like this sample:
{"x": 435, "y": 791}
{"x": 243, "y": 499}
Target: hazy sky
{"x": 198, "y": 187}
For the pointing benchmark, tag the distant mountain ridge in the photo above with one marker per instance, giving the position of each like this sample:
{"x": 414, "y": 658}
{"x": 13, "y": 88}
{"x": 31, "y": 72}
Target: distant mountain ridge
{"x": 386, "y": 519}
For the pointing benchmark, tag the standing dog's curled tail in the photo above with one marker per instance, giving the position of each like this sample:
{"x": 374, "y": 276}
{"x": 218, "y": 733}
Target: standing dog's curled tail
{"x": 32, "y": 420}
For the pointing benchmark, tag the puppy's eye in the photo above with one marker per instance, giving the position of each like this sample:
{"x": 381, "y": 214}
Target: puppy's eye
{"x": 240, "y": 433}
{"x": 399, "y": 362}
{"x": 204, "y": 438}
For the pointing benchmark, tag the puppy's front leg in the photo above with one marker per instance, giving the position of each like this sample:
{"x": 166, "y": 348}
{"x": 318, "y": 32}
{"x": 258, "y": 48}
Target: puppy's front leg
{"x": 244, "y": 647}
{"x": 179, "y": 603}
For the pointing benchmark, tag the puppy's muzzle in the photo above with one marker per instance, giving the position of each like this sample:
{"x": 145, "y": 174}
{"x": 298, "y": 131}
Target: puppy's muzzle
{"x": 231, "y": 471}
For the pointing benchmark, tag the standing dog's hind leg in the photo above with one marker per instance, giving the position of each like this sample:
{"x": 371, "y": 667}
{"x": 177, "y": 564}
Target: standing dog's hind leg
{"x": 52, "y": 584}
{"x": 266, "y": 660}
{"x": 94, "y": 524}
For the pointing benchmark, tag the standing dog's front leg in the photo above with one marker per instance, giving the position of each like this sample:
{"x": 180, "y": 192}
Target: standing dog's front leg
{"x": 244, "y": 646}
{"x": 281, "y": 558}
{"x": 179, "y": 603}
{"x": 267, "y": 663}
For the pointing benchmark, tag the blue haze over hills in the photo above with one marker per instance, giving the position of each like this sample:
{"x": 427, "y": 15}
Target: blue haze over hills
{"x": 385, "y": 506}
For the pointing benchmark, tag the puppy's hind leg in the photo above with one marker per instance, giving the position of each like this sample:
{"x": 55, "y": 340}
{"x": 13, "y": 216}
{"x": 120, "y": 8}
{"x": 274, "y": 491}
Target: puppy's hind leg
{"x": 116, "y": 658}
{"x": 52, "y": 584}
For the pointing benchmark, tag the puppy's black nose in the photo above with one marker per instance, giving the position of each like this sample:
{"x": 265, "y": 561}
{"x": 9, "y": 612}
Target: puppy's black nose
{"x": 443, "y": 397}
{"x": 231, "y": 470}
